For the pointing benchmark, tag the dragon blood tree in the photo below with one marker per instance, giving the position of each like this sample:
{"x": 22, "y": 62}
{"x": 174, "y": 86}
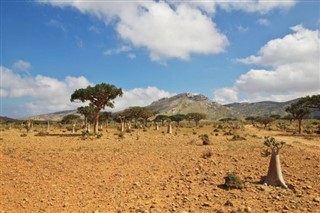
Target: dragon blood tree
{"x": 274, "y": 176}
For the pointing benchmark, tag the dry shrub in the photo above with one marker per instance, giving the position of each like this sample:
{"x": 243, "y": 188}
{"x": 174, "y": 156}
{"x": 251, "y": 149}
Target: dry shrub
{"x": 205, "y": 139}
{"x": 42, "y": 133}
{"x": 232, "y": 181}
{"x": 238, "y": 138}
{"x": 207, "y": 154}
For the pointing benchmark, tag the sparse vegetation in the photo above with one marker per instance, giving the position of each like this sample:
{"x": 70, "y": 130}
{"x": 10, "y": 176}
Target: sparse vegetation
{"x": 274, "y": 176}
{"x": 205, "y": 139}
{"x": 207, "y": 154}
{"x": 232, "y": 181}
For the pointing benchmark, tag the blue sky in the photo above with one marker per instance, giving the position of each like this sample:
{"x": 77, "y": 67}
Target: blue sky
{"x": 229, "y": 51}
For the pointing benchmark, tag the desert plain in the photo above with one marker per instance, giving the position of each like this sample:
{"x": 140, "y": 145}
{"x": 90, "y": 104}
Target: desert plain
{"x": 152, "y": 171}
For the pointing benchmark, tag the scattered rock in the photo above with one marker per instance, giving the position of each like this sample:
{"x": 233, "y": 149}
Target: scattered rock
{"x": 205, "y": 204}
{"x": 316, "y": 199}
{"x": 248, "y": 209}
{"x": 228, "y": 203}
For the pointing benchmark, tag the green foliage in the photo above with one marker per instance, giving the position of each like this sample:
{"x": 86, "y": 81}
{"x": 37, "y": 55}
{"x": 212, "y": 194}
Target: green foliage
{"x": 276, "y": 117}
{"x": 227, "y": 119}
{"x": 298, "y": 110}
{"x": 70, "y": 119}
{"x": 272, "y": 143}
{"x": 177, "y": 118}
{"x": 161, "y": 118}
{"x": 196, "y": 117}
{"x": 135, "y": 113}
{"x": 232, "y": 181}
{"x": 87, "y": 112}
{"x": 100, "y": 96}
{"x": 266, "y": 121}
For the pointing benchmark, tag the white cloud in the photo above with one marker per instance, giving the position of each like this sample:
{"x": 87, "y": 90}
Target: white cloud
{"x": 122, "y": 49}
{"x": 253, "y": 6}
{"x": 242, "y": 29}
{"x": 79, "y": 42}
{"x": 165, "y": 31}
{"x": 168, "y": 29}
{"x": 57, "y": 24}
{"x": 140, "y": 97}
{"x": 22, "y": 65}
{"x": 45, "y": 94}
{"x": 300, "y": 47}
{"x": 295, "y": 68}
{"x": 132, "y": 56}
{"x": 263, "y": 22}
{"x": 226, "y": 95}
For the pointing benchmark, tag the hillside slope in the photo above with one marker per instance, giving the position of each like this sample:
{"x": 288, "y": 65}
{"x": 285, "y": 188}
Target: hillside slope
{"x": 186, "y": 103}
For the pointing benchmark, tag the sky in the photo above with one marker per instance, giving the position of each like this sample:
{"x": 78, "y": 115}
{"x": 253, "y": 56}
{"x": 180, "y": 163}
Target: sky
{"x": 229, "y": 51}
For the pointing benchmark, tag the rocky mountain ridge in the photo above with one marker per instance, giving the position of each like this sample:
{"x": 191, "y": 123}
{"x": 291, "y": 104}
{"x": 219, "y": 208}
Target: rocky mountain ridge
{"x": 189, "y": 102}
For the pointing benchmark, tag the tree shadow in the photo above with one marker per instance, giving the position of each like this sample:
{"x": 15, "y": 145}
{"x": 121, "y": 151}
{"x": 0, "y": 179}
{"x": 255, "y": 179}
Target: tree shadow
{"x": 62, "y": 135}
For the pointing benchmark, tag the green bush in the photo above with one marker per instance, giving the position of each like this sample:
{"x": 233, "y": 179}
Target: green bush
{"x": 232, "y": 181}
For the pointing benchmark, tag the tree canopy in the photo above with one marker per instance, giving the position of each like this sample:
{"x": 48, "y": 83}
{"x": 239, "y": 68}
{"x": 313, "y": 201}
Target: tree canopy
{"x": 177, "y": 118}
{"x": 196, "y": 116}
{"x": 100, "y": 96}
{"x": 135, "y": 113}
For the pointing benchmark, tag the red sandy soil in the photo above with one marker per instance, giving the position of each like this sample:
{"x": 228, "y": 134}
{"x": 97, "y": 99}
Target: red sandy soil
{"x": 154, "y": 172}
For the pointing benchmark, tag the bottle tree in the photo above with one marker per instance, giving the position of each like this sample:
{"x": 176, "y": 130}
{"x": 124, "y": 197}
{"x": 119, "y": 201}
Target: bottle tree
{"x": 100, "y": 96}
{"x": 274, "y": 175}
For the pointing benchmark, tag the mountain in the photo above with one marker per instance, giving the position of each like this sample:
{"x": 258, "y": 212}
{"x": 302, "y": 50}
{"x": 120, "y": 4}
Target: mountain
{"x": 187, "y": 102}
{"x": 55, "y": 116}
{"x": 6, "y": 119}
{"x": 264, "y": 108}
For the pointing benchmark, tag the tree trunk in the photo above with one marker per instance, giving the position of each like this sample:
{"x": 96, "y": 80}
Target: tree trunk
{"x": 96, "y": 123}
{"x": 29, "y": 126}
{"x": 169, "y": 128}
{"x": 157, "y": 127}
{"x": 122, "y": 126}
{"x": 274, "y": 176}
{"x": 48, "y": 127}
{"x": 88, "y": 128}
{"x": 85, "y": 121}
{"x": 299, "y": 125}
{"x": 73, "y": 128}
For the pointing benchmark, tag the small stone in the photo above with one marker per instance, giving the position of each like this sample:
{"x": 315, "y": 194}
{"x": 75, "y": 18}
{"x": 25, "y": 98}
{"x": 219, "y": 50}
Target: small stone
{"x": 228, "y": 203}
{"x": 206, "y": 204}
{"x": 316, "y": 199}
{"x": 248, "y": 209}
{"x": 286, "y": 207}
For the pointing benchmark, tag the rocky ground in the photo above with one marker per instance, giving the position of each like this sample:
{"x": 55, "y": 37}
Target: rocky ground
{"x": 150, "y": 171}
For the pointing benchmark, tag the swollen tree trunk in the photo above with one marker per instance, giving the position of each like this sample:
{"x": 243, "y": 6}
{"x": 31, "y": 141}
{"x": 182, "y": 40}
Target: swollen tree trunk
{"x": 274, "y": 176}
{"x": 29, "y": 126}
{"x": 169, "y": 128}
{"x": 157, "y": 127}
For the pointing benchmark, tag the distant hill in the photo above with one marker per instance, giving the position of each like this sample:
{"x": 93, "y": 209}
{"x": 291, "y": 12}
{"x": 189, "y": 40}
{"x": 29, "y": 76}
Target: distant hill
{"x": 6, "y": 119}
{"x": 55, "y": 116}
{"x": 265, "y": 108}
{"x": 185, "y": 103}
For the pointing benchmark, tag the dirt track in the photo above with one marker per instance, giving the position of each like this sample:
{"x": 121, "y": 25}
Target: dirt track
{"x": 155, "y": 173}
